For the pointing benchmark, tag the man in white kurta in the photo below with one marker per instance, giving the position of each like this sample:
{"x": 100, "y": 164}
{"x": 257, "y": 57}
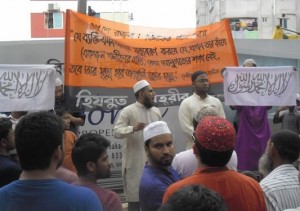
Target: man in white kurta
{"x": 190, "y": 106}
{"x": 129, "y": 126}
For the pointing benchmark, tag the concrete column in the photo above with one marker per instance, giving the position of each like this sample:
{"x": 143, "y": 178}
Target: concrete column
{"x": 81, "y": 6}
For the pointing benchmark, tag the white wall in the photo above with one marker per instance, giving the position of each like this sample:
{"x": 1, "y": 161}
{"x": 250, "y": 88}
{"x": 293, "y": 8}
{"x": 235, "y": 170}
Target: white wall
{"x": 241, "y": 8}
{"x": 163, "y": 13}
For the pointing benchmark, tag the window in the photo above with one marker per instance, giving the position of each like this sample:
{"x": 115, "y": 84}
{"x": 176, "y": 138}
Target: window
{"x": 283, "y": 21}
{"x": 242, "y": 24}
{"x": 54, "y": 20}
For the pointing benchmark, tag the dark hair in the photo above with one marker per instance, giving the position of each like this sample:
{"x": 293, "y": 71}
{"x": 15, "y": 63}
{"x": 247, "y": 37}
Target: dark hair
{"x": 196, "y": 74}
{"x": 5, "y": 127}
{"x": 194, "y": 198}
{"x": 213, "y": 158}
{"x": 147, "y": 142}
{"x": 195, "y": 123}
{"x": 88, "y": 148}
{"x": 37, "y": 136}
{"x": 287, "y": 144}
{"x": 62, "y": 111}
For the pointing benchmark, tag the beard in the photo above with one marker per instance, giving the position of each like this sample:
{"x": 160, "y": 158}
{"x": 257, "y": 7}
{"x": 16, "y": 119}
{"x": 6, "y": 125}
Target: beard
{"x": 148, "y": 102}
{"x": 163, "y": 161}
{"x": 265, "y": 164}
{"x": 202, "y": 90}
{"x": 103, "y": 175}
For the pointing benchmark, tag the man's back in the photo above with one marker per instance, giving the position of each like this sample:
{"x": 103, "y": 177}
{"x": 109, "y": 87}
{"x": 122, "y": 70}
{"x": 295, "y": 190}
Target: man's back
{"x": 9, "y": 170}
{"x": 239, "y": 191}
{"x": 109, "y": 199}
{"x": 281, "y": 188}
{"x": 290, "y": 120}
{"x": 185, "y": 163}
{"x": 47, "y": 194}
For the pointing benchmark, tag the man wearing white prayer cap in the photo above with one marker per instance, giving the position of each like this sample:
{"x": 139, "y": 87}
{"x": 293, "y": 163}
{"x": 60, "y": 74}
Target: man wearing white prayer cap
{"x": 58, "y": 89}
{"x": 139, "y": 85}
{"x": 249, "y": 63}
{"x": 129, "y": 126}
{"x": 158, "y": 173}
{"x": 77, "y": 118}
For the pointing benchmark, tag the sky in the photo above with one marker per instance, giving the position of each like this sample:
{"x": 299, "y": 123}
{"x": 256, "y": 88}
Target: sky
{"x": 164, "y": 13}
{"x": 15, "y": 15}
{"x": 11, "y": 15}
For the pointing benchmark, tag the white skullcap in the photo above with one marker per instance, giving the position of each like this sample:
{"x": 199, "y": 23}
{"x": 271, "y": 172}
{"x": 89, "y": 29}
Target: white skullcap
{"x": 249, "y": 61}
{"x": 3, "y": 116}
{"x": 139, "y": 85}
{"x": 208, "y": 110}
{"x": 155, "y": 129}
{"x": 298, "y": 97}
{"x": 58, "y": 82}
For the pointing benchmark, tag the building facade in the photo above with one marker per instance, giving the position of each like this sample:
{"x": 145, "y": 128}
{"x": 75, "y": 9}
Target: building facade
{"x": 252, "y": 19}
{"x": 48, "y": 18}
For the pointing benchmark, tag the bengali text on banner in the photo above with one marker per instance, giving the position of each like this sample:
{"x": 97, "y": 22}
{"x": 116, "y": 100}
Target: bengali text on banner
{"x": 102, "y": 53}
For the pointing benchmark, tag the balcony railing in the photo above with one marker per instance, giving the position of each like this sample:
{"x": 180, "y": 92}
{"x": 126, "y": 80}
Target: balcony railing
{"x": 245, "y": 34}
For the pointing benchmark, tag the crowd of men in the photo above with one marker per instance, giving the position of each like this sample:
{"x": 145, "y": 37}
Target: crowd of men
{"x": 245, "y": 167}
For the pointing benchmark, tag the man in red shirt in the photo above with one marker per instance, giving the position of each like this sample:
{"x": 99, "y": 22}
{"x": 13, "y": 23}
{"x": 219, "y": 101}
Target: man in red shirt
{"x": 213, "y": 146}
{"x": 90, "y": 158}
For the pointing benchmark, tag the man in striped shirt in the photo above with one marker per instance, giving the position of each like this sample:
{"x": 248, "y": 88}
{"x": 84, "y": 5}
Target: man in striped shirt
{"x": 281, "y": 186}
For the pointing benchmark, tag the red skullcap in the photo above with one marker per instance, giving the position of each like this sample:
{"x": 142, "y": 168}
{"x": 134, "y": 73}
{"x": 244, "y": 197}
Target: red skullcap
{"x": 215, "y": 133}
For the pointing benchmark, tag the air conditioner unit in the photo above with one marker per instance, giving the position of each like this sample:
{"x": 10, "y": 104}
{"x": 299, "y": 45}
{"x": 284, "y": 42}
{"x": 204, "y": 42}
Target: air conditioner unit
{"x": 53, "y": 7}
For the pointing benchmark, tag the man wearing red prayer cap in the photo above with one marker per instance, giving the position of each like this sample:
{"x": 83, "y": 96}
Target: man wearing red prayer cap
{"x": 214, "y": 143}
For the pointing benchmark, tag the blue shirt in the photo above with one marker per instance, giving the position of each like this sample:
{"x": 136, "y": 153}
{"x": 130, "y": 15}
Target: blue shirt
{"x": 154, "y": 183}
{"x": 47, "y": 195}
{"x": 9, "y": 170}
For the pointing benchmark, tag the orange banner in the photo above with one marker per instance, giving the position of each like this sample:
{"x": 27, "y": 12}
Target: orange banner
{"x": 102, "y": 53}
